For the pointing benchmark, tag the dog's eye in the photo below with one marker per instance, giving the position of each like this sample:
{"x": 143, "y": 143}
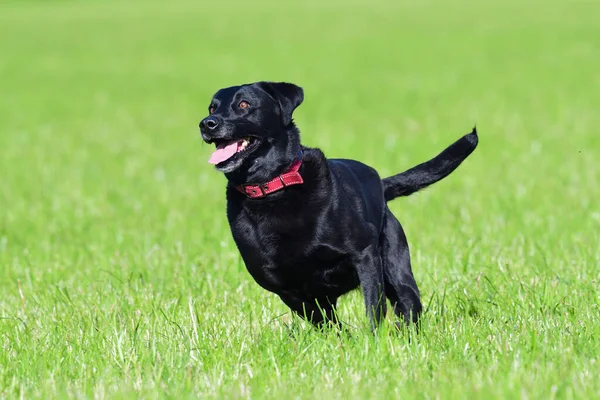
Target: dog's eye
{"x": 211, "y": 109}
{"x": 244, "y": 104}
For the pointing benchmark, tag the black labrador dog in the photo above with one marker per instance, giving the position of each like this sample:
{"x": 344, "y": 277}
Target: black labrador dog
{"x": 308, "y": 228}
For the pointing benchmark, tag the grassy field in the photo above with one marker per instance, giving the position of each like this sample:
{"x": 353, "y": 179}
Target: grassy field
{"x": 118, "y": 274}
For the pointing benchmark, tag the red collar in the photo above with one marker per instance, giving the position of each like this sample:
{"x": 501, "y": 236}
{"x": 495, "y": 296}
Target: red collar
{"x": 288, "y": 178}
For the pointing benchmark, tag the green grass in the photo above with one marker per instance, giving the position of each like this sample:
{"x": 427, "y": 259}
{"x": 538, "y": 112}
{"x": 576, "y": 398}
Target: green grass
{"x": 118, "y": 274}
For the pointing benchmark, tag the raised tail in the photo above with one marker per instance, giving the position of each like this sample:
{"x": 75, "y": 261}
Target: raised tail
{"x": 429, "y": 172}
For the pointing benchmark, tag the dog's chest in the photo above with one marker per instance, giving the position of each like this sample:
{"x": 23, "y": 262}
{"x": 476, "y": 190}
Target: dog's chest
{"x": 315, "y": 274}
{"x": 292, "y": 256}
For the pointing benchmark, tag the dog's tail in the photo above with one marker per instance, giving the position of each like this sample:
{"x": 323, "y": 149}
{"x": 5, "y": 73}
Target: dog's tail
{"x": 429, "y": 172}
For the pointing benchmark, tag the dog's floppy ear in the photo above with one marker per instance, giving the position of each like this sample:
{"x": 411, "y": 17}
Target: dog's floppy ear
{"x": 288, "y": 95}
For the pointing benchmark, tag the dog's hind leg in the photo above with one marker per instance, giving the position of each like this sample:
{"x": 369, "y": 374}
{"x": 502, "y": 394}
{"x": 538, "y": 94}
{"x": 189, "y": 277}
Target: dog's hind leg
{"x": 400, "y": 286}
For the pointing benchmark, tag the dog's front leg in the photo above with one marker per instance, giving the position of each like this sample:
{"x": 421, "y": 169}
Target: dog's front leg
{"x": 315, "y": 311}
{"x": 369, "y": 266}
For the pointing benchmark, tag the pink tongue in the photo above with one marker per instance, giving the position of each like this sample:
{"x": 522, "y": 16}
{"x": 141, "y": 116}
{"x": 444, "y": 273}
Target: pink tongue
{"x": 223, "y": 152}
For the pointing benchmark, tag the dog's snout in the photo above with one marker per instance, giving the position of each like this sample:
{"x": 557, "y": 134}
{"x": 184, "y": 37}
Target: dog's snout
{"x": 209, "y": 124}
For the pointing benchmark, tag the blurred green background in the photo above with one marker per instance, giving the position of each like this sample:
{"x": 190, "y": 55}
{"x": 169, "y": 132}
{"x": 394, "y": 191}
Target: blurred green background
{"x": 118, "y": 275}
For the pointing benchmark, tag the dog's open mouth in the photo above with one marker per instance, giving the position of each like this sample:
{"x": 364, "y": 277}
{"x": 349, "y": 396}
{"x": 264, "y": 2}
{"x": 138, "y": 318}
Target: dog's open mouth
{"x": 230, "y": 149}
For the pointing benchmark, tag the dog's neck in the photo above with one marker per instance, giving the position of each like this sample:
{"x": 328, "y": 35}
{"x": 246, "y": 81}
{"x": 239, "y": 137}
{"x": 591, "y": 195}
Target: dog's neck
{"x": 268, "y": 166}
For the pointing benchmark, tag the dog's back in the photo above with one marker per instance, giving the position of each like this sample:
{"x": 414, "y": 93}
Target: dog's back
{"x": 362, "y": 186}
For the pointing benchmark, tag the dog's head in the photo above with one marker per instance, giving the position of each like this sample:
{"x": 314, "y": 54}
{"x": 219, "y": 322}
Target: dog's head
{"x": 251, "y": 126}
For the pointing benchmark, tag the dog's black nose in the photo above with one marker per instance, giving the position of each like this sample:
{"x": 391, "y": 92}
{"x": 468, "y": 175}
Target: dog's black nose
{"x": 209, "y": 124}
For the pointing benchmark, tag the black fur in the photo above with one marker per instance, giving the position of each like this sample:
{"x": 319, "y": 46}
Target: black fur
{"x": 314, "y": 242}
